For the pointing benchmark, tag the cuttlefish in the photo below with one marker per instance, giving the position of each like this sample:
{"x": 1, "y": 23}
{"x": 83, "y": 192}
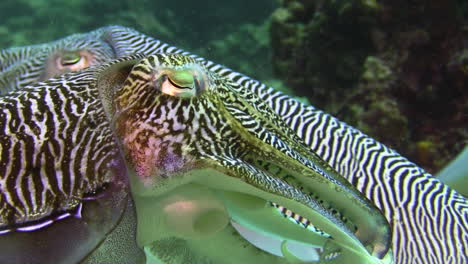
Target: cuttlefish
{"x": 206, "y": 151}
{"x": 198, "y": 150}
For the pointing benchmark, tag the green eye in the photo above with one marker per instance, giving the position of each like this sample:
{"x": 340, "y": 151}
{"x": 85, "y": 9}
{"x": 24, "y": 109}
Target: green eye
{"x": 70, "y": 58}
{"x": 182, "y": 79}
{"x": 182, "y": 83}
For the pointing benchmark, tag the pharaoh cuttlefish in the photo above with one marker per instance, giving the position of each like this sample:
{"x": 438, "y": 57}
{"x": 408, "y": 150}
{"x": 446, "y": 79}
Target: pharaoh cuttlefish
{"x": 211, "y": 157}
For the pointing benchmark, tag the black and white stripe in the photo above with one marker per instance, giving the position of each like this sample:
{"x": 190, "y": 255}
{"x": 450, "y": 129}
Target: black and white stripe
{"x": 22, "y": 66}
{"x": 56, "y": 148}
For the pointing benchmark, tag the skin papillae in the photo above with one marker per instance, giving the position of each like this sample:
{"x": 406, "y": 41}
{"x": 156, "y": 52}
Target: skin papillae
{"x": 428, "y": 219}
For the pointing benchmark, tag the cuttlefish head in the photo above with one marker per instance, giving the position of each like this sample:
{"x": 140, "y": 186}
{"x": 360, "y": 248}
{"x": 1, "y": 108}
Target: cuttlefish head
{"x": 205, "y": 154}
{"x": 63, "y": 61}
{"x": 23, "y": 66}
{"x": 70, "y": 54}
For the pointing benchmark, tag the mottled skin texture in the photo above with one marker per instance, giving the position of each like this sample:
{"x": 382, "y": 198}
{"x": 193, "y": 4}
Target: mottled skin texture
{"x": 413, "y": 202}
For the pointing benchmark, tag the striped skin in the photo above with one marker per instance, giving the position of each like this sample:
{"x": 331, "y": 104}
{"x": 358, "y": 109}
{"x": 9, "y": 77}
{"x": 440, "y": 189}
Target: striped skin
{"x": 429, "y": 219}
{"x": 61, "y": 173}
{"x": 22, "y": 66}
{"x": 51, "y": 155}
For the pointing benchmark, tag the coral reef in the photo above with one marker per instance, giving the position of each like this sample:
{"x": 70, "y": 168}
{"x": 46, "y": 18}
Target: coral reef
{"x": 397, "y": 70}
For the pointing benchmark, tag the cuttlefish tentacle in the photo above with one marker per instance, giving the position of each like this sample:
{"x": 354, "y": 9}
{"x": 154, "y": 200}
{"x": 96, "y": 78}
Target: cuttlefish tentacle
{"x": 175, "y": 134}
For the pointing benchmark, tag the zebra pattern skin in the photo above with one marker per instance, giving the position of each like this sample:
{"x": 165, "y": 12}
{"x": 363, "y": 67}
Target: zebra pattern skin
{"x": 38, "y": 127}
{"x": 429, "y": 220}
{"x": 20, "y": 67}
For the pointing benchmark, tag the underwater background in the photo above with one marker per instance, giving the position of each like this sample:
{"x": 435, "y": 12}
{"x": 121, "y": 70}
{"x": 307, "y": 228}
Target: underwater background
{"x": 395, "y": 69}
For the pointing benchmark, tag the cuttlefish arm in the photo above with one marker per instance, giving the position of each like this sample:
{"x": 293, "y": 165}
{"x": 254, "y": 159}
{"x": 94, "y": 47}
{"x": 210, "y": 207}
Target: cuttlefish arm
{"x": 178, "y": 125}
{"x": 309, "y": 171}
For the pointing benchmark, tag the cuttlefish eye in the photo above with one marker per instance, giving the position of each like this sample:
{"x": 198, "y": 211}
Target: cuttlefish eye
{"x": 66, "y": 61}
{"x": 72, "y": 60}
{"x": 184, "y": 83}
